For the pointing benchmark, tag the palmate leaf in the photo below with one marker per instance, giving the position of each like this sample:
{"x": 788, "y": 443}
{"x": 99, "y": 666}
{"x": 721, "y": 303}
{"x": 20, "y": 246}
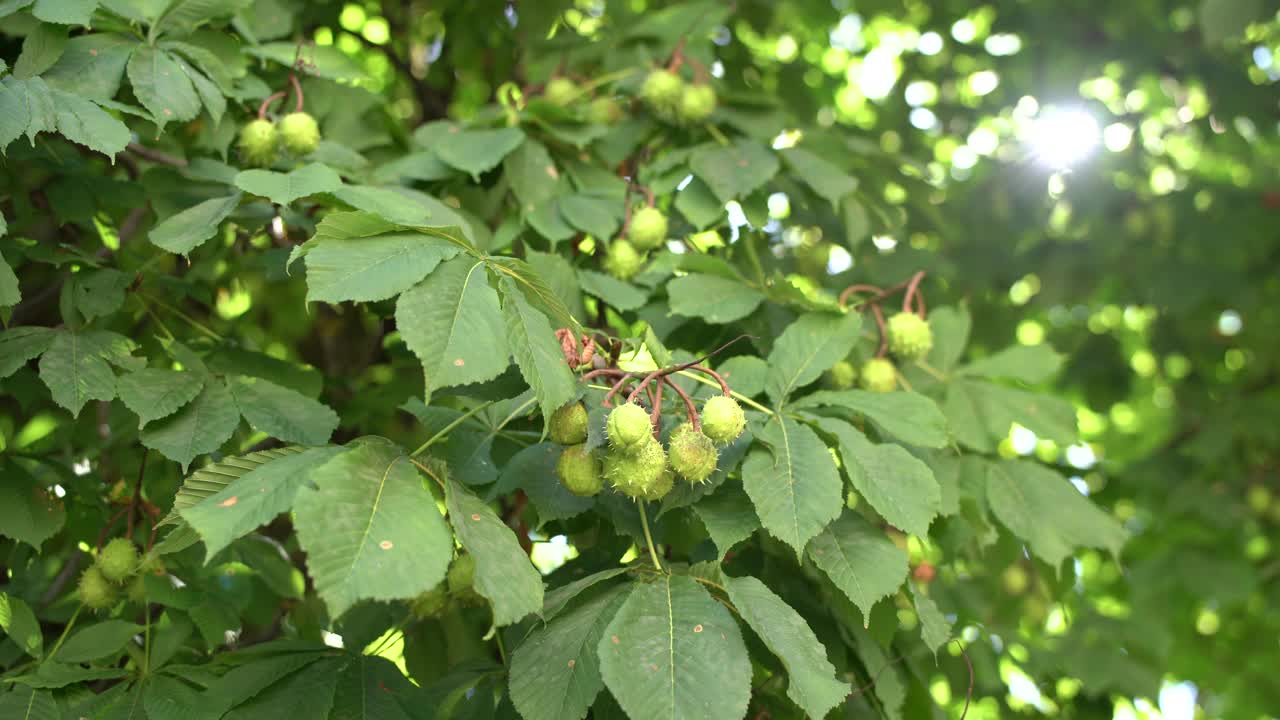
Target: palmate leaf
{"x": 281, "y": 412}
{"x": 370, "y": 528}
{"x": 374, "y": 267}
{"x": 897, "y": 484}
{"x": 20, "y": 624}
{"x": 909, "y": 417}
{"x": 673, "y": 652}
{"x": 982, "y": 412}
{"x": 555, "y": 673}
{"x": 200, "y": 427}
{"x": 793, "y": 484}
{"x": 453, "y": 323}
{"x": 372, "y": 688}
{"x": 284, "y": 188}
{"x": 808, "y": 347}
{"x": 28, "y": 703}
{"x": 154, "y": 393}
{"x": 76, "y": 370}
{"x": 864, "y": 564}
{"x": 214, "y": 478}
{"x": 504, "y": 574}
{"x": 1026, "y": 363}
{"x": 162, "y": 86}
{"x": 253, "y": 498}
{"x": 187, "y": 230}
{"x": 712, "y": 298}
{"x": 97, "y": 641}
{"x": 29, "y": 512}
{"x": 20, "y": 344}
{"x": 811, "y": 677}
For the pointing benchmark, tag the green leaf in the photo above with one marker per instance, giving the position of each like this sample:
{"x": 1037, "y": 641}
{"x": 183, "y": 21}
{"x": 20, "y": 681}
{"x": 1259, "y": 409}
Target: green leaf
{"x": 807, "y": 348}
{"x": 236, "y": 501}
{"x": 14, "y": 116}
{"x": 1048, "y": 512}
{"x": 453, "y": 323}
{"x": 1025, "y": 363}
{"x": 83, "y": 122}
{"x": 535, "y": 289}
{"x": 53, "y": 675}
{"x": 934, "y": 628}
{"x": 65, "y": 12}
{"x": 734, "y": 171}
{"x": 28, "y": 512}
{"x": 325, "y": 61}
{"x": 307, "y": 693}
{"x": 184, "y": 16}
{"x": 617, "y": 293}
{"x": 97, "y": 641}
{"x": 284, "y": 188}
{"x": 282, "y": 413}
{"x": 371, "y": 688}
{"x": 794, "y": 485}
{"x": 372, "y": 268}
{"x": 532, "y": 174}
{"x": 699, "y": 205}
{"x": 99, "y": 293}
{"x": 162, "y": 86}
{"x": 154, "y": 393}
{"x": 370, "y": 529}
{"x": 897, "y": 484}
{"x": 187, "y": 230}
{"x": 40, "y": 50}
{"x": 910, "y": 417}
{"x": 21, "y": 625}
{"x": 555, "y": 673}
{"x": 826, "y": 179}
{"x": 556, "y": 600}
{"x": 75, "y": 369}
{"x": 504, "y": 575}
{"x": 198, "y": 428}
{"x": 477, "y": 151}
{"x": 20, "y": 344}
{"x": 383, "y": 202}
{"x": 92, "y": 66}
{"x": 712, "y": 298}
{"x": 950, "y": 328}
{"x": 533, "y": 470}
{"x": 673, "y": 652}
{"x": 547, "y": 221}
{"x": 27, "y": 703}
{"x": 728, "y": 516}
{"x": 864, "y": 564}
{"x": 536, "y": 350}
{"x": 593, "y": 215}
{"x": 982, "y": 412}
{"x": 857, "y": 225}
{"x": 888, "y": 687}
{"x": 811, "y": 677}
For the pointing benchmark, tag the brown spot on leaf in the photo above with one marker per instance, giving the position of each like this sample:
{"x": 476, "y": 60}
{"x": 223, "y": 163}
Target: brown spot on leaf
{"x": 93, "y": 52}
{"x": 615, "y": 639}
{"x": 552, "y": 172}
{"x": 743, "y": 163}
{"x": 229, "y": 501}
{"x": 475, "y": 517}
{"x": 386, "y": 545}
{"x": 459, "y": 362}
{"x": 697, "y": 628}
{"x": 572, "y": 663}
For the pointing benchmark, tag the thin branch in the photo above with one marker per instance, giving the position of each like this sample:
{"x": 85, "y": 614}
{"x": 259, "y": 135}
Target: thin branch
{"x": 155, "y": 156}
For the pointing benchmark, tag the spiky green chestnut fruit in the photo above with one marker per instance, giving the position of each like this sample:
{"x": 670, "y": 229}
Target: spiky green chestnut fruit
{"x": 137, "y": 589}
{"x": 691, "y": 454}
{"x": 879, "y": 375}
{"x": 604, "y": 111}
{"x": 579, "y": 470}
{"x": 568, "y": 425}
{"x": 722, "y": 419}
{"x": 259, "y": 143}
{"x": 622, "y": 260}
{"x": 560, "y": 91}
{"x": 648, "y": 229}
{"x": 841, "y": 376}
{"x": 663, "y": 91}
{"x": 299, "y": 133}
{"x": 636, "y": 473}
{"x": 697, "y": 102}
{"x": 118, "y": 560}
{"x": 659, "y": 489}
{"x": 909, "y": 336}
{"x": 95, "y": 590}
{"x": 430, "y": 603}
{"x": 629, "y": 427}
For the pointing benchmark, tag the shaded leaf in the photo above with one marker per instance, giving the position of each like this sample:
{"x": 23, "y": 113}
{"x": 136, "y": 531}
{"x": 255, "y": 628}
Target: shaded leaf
{"x": 712, "y": 298}
{"x": 372, "y": 268}
{"x": 1026, "y": 363}
{"x": 154, "y": 393}
{"x": 864, "y": 564}
{"x": 826, "y": 179}
{"x": 200, "y": 427}
{"x": 504, "y": 575}
{"x": 807, "y": 348}
{"x": 284, "y": 188}
{"x": 282, "y": 413}
{"x": 20, "y": 344}
{"x": 183, "y": 232}
{"x": 162, "y": 86}
{"x": 75, "y": 369}
{"x": 934, "y": 628}
{"x": 20, "y": 624}
{"x": 536, "y": 350}
{"x": 909, "y": 417}
{"x": 477, "y": 151}
{"x": 1048, "y": 512}
{"x": 735, "y": 170}
{"x": 97, "y": 641}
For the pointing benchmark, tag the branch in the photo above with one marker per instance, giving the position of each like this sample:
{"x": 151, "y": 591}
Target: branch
{"x": 156, "y": 156}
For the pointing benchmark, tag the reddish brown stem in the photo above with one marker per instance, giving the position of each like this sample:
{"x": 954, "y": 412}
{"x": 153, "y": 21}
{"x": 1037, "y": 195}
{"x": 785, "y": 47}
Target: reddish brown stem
{"x": 913, "y": 286}
{"x": 655, "y": 415}
{"x": 884, "y": 335}
{"x": 609, "y": 372}
{"x": 677, "y": 56}
{"x": 608, "y": 398}
{"x": 724, "y": 384}
{"x": 106, "y": 527}
{"x": 644, "y": 383}
{"x": 262, "y": 109}
{"x": 690, "y": 409}
{"x": 853, "y": 289}
{"x": 297, "y": 93}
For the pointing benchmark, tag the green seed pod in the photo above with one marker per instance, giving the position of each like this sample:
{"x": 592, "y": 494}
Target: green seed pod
{"x": 568, "y": 425}
{"x": 722, "y": 419}
{"x": 659, "y": 489}
{"x": 95, "y": 590}
{"x": 648, "y": 229}
{"x": 691, "y": 454}
{"x": 697, "y": 102}
{"x": 629, "y": 427}
{"x": 879, "y": 375}
{"x": 430, "y": 603}
{"x": 118, "y": 560}
{"x": 604, "y": 111}
{"x": 560, "y": 91}
{"x": 299, "y": 133}
{"x": 622, "y": 260}
{"x": 635, "y": 473}
{"x": 909, "y": 336}
{"x": 663, "y": 90}
{"x": 579, "y": 471}
{"x": 259, "y": 143}
{"x": 841, "y": 376}
{"x": 137, "y": 590}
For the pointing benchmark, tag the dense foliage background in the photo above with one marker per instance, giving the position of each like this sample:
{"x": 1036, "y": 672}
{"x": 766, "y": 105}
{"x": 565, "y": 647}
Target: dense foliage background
{"x": 312, "y": 394}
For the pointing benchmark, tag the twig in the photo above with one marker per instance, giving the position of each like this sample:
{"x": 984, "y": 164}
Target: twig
{"x": 648, "y": 538}
{"x": 884, "y": 334}
{"x": 297, "y": 90}
{"x": 445, "y": 430}
{"x": 655, "y": 399}
{"x": 969, "y": 695}
{"x": 913, "y": 287}
{"x": 155, "y": 156}
{"x": 137, "y": 496}
{"x": 690, "y": 409}
{"x": 262, "y": 109}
